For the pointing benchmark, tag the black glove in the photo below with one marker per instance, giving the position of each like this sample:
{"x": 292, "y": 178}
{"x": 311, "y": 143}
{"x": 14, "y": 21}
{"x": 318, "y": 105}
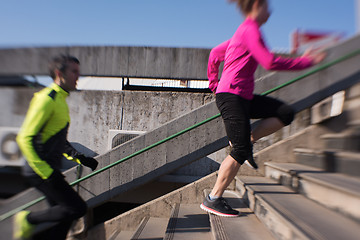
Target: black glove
{"x": 88, "y": 161}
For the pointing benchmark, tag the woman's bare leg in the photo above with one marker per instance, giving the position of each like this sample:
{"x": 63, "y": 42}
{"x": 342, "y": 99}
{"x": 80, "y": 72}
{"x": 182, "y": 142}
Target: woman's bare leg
{"x": 227, "y": 172}
{"x": 266, "y": 127}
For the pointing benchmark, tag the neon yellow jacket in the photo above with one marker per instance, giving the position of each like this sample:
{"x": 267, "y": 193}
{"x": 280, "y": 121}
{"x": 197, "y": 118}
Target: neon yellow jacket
{"x": 42, "y": 137}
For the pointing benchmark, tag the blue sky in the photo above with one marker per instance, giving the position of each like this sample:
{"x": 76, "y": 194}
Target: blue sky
{"x": 166, "y": 23}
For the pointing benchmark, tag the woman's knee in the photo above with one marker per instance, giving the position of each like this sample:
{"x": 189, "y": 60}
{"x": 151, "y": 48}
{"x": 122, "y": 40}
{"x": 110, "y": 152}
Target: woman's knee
{"x": 286, "y": 114}
{"x": 240, "y": 154}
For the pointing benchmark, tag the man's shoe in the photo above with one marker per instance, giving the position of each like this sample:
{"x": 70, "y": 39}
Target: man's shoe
{"x": 22, "y": 228}
{"x": 219, "y": 207}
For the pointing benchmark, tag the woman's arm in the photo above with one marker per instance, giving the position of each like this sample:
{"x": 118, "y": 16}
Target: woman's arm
{"x": 270, "y": 61}
{"x": 217, "y": 55}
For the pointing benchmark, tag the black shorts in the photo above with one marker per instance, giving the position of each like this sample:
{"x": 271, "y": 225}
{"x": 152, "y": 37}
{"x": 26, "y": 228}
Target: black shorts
{"x": 237, "y": 112}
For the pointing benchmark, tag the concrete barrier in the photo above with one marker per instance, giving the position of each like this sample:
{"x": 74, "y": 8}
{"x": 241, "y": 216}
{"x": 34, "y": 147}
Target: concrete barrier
{"x": 143, "y": 62}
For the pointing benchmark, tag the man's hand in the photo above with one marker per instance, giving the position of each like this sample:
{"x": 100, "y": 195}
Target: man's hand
{"x": 88, "y": 161}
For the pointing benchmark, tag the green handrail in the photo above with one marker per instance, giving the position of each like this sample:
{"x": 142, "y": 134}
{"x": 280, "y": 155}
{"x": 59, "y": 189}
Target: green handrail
{"x": 320, "y": 68}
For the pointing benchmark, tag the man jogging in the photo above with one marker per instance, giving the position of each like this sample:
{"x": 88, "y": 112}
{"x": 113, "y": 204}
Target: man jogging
{"x": 43, "y": 142}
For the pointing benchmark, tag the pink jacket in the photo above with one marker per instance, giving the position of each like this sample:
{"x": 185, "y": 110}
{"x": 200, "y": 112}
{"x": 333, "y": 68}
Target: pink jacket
{"x": 242, "y": 54}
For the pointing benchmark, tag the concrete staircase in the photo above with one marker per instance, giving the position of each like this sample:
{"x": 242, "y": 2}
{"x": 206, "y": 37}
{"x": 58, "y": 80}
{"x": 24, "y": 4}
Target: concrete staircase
{"x": 188, "y": 221}
{"x": 318, "y": 197}
{"x": 191, "y": 146}
{"x": 292, "y": 201}
{"x": 314, "y": 195}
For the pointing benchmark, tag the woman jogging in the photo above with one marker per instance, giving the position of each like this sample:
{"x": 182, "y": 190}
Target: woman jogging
{"x": 235, "y": 99}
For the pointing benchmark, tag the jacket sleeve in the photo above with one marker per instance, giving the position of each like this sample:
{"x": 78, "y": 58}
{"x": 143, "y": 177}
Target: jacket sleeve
{"x": 217, "y": 55}
{"x": 268, "y": 60}
{"x": 38, "y": 114}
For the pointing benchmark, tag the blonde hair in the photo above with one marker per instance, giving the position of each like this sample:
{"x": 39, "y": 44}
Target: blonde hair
{"x": 246, "y": 5}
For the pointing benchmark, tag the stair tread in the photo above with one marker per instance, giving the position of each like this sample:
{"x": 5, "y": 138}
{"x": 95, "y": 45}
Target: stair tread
{"x": 314, "y": 220}
{"x": 340, "y": 153}
{"x": 349, "y": 133}
{"x": 337, "y": 181}
{"x": 245, "y": 227}
{"x": 348, "y": 154}
{"x": 292, "y": 167}
{"x": 307, "y": 150}
{"x": 153, "y": 228}
{"x": 191, "y": 223}
{"x": 123, "y": 235}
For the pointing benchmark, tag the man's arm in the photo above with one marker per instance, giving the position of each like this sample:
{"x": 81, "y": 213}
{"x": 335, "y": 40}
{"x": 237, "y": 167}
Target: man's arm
{"x": 38, "y": 114}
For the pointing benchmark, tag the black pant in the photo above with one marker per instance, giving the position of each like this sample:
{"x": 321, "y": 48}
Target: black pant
{"x": 65, "y": 205}
{"x": 237, "y": 112}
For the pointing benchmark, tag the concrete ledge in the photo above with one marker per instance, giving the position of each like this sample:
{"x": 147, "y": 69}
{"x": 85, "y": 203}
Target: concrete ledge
{"x": 145, "y": 62}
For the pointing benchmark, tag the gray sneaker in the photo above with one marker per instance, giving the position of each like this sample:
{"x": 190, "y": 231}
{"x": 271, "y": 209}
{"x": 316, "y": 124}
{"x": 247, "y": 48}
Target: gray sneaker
{"x": 219, "y": 207}
{"x": 251, "y": 162}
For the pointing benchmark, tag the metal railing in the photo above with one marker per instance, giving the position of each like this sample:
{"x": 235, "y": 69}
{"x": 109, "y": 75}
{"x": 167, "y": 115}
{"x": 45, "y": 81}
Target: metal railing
{"x": 320, "y": 68}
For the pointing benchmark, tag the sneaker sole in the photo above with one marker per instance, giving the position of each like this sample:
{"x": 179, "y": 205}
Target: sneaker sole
{"x": 247, "y": 163}
{"x": 209, "y": 210}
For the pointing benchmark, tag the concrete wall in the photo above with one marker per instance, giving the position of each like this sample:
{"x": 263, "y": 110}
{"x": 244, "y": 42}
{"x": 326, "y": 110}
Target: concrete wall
{"x": 147, "y": 62}
{"x": 94, "y": 113}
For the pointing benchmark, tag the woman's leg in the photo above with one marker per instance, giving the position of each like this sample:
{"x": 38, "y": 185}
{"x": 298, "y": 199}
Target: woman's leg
{"x": 266, "y": 127}
{"x": 274, "y": 113}
{"x": 228, "y": 170}
{"x": 235, "y": 113}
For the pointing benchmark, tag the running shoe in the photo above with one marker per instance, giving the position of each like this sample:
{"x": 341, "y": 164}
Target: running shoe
{"x": 251, "y": 162}
{"x": 218, "y": 207}
{"x": 22, "y": 228}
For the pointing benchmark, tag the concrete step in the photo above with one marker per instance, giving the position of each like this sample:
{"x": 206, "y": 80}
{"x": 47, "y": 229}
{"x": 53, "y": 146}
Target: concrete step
{"x": 335, "y": 191}
{"x": 151, "y": 228}
{"x": 287, "y": 173}
{"x": 348, "y": 163}
{"x": 330, "y": 160}
{"x": 188, "y": 221}
{"x": 289, "y": 215}
{"x": 121, "y": 235}
{"x": 332, "y": 190}
{"x": 313, "y": 158}
{"x": 346, "y": 141}
{"x": 245, "y": 227}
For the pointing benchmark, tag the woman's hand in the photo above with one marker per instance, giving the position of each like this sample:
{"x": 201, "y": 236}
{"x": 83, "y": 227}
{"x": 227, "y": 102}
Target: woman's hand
{"x": 315, "y": 56}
